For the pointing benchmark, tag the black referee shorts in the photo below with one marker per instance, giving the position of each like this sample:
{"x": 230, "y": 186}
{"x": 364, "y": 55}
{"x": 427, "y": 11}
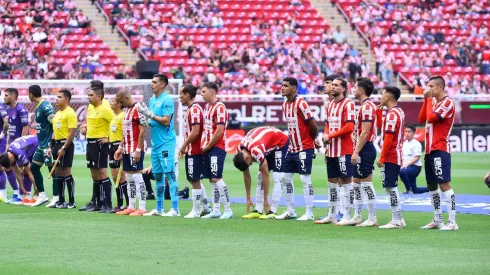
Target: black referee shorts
{"x": 67, "y": 159}
{"x": 113, "y": 146}
{"x": 97, "y": 154}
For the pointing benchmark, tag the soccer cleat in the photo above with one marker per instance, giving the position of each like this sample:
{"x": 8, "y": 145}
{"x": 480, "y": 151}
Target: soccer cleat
{"x": 433, "y": 225}
{"x": 368, "y": 223}
{"x": 89, "y": 205}
{"x": 17, "y": 201}
{"x": 355, "y": 221}
{"x": 26, "y": 200}
{"x": 306, "y": 217}
{"x": 343, "y": 222}
{"x": 192, "y": 215}
{"x": 62, "y": 205}
{"x": 252, "y": 215}
{"x": 269, "y": 216}
{"x": 72, "y": 205}
{"x": 126, "y": 211}
{"x": 212, "y": 215}
{"x": 3, "y": 197}
{"x": 227, "y": 215}
{"x": 104, "y": 209}
{"x": 450, "y": 226}
{"x": 95, "y": 209}
{"x": 403, "y": 223}
{"x": 391, "y": 225}
{"x": 30, "y": 202}
{"x": 52, "y": 204}
{"x": 137, "y": 213}
{"x": 204, "y": 211}
{"x": 42, "y": 199}
{"x": 326, "y": 220}
{"x": 153, "y": 212}
{"x": 339, "y": 216}
{"x": 286, "y": 216}
{"x": 14, "y": 196}
{"x": 172, "y": 213}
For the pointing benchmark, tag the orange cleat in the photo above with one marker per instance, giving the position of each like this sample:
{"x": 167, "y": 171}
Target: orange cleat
{"x": 138, "y": 213}
{"x": 126, "y": 211}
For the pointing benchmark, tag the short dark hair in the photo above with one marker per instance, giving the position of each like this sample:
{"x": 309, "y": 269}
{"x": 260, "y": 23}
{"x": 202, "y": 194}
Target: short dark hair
{"x": 439, "y": 79}
{"x": 331, "y": 77}
{"x": 394, "y": 91}
{"x": 239, "y": 162}
{"x": 411, "y": 127}
{"x": 343, "y": 83}
{"x": 162, "y": 78}
{"x": 211, "y": 85}
{"x": 13, "y": 91}
{"x": 98, "y": 91}
{"x": 291, "y": 80}
{"x": 35, "y": 90}
{"x": 366, "y": 84}
{"x": 66, "y": 94}
{"x": 190, "y": 90}
{"x": 96, "y": 84}
{"x": 4, "y": 160}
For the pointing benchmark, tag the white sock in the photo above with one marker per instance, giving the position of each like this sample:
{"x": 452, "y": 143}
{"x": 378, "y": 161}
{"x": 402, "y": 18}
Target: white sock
{"x": 451, "y": 205}
{"x": 196, "y": 199}
{"x": 341, "y": 200}
{"x": 289, "y": 186}
{"x": 16, "y": 192}
{"x": 277, "y": 191}
{"x": 435, "y": 199}
{"x": 370, "y": 195}
{"x": 259, "y": 195}
{"x": 140, "y": 191}
{"x": 204, "y": 197}
{"x": 308, "y": 193}
{"x": 333, "y": 197}
{"x": 348, "y": 199}
{"x": 29, "y": 195}
{"x": 357, "y": 199}
{"x": 223, "y": 193}
{"x": 216, "y": 202}
{"x": 396, "y": 209}
{"x": 131, "y": 191}
{"x": 2, "y": 193}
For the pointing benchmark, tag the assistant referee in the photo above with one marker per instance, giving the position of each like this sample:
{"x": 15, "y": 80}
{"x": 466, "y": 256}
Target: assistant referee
{"x": 115, "y": 137}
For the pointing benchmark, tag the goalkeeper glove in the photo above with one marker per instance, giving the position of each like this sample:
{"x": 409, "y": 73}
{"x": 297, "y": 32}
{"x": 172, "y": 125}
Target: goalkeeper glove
{"x": 143, "y": 109}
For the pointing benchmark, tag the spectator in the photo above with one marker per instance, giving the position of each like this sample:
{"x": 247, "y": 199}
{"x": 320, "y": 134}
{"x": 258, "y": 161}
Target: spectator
{"x": 338, "y": 36}
{"x": 412, "y": 165}
{"x": 179, "y": 73}
{"x": 39, "y": 36}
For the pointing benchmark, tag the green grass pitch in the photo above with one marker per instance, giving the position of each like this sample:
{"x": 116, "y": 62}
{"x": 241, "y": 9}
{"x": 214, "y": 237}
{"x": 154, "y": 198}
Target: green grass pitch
{"x": 51, "y": 241}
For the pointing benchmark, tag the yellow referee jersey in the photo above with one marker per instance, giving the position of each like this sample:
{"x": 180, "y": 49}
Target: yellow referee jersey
{"x": 63, "y": 121}
{"x": 116, "y": 128}
{"x": 98, "y": 120}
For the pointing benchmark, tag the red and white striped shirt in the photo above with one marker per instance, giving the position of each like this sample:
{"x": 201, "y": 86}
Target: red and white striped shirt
{"x": 297, "y": 114}
{"x": 394, "y": 123}
{"x": 437, "y": 134}
{"x": 193, "y": 116}
{"x": 213, "y": 115}
{"x": 367, "y": 113}
{"x": 338, "y": 115}
{"x": 261, "y": 141}
{"x": 131, "y": 120}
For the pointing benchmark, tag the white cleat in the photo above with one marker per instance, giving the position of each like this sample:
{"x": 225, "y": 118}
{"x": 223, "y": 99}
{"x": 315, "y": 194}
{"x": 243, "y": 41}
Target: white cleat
{"x": 368, "y": 223}
{"x": 212, "y": 215}
{"x": 391, "y": 225}
{"x": 356, "y": 220}
{"x": 192, "y": 215}
{"x": 450, "y": 226}
{"x": 172, "y": 213}
{"x": 3, "y": 198}
{"x": 286, "y": 216}
{"x": 403, "y": 223}
{"x": 154, "y": 212}
{"x": 326, "y": 220}
{"x": 42, "y": 199}
{"x": 227, "y": 215}
{"x": 433, "y": 225}
{"x": 306, "y": 217}
{"x": 52, "y": 203}
{"x": 343, "y": 222}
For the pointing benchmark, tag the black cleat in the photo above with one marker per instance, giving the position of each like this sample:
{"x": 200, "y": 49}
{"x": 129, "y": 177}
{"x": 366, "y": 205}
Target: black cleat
{"x": 89, "y": 206}
{"x": 184, "y": 193}
{"x": 150, "y": 196}
{"x": 62, "y": 205}
{"x": 95, "y": 209}
{"x": 72, "y": 205}
{"x": 103, "y": 209}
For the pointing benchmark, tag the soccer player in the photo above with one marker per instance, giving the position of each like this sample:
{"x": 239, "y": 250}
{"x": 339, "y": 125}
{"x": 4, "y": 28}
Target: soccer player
{"x": 412, "y": 165}
{"x": 131, "y": 150}
{"x": 115, "y": 137}
{"x": 340, "y": 123}
{"x": 191, "y": 149}
{"x": 364, "y": 154}
{"x": 268, "y": 146}
{"x": 44, "y": 116}
{"x": 4, "y": 126}
{"x": 439, "y": 118}
{"x": 65, "y": 124}
{"x": 99, "y": 116}
{"x": 213, "y": 146}
{"x": 17, "y": 126}
{"x": 302, "y": 133}
{"x": 390, "y": 159}
{"x": 163, "y": 142}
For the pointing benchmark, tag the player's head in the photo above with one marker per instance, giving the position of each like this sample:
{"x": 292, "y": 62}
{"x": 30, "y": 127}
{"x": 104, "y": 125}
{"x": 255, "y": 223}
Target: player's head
{"x": 209, "y": 91}
{"x": 364, "y": 88}
{"x": 6, "y": 160}
{"x": 289, "y": 86}
{"x": 116, "y": 106}
{"x": 96, "y": 84}
{"x": 328, "y": 83}
{"x": 35, "y": 92}
{"x": 339, "y": 87}
{"x": 63, "y": 98}
{"x": 10, "y": 95}
{"x": 159, "y": 83}
{"x": 95, "y": 96}
{"x": 409, "y": 132}
{"x": 436, "y": 85}
{"x": 187, "y": 94}
{"x": 124, "y": 98}
{"x": 242, "y": 160}
{"x": 390, "y": 94}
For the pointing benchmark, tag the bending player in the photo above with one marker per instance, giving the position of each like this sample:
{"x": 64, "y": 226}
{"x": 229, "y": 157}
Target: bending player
{"x": 191, "y": 149}
{"x": 299, "y": 159}
{"x": 438, "y": 117}
{"x": 268, "y": 146}
{"x": 390, "y": 159}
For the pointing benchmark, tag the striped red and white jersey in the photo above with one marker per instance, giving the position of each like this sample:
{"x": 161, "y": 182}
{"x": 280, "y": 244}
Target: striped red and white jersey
{"x": 213, "y": 115}
{"x": 325, "y": 107}
{"x": 437, "y": 134}
{"x": 193, "y": 116}
{"x": 297, "y": 114}
{"x": 131, "y": 120}
{"x": 367, "y": 113}
{"x": 338, "y": 115}
{"x": 394, "y": 123}
{"x": 261, "y": 141}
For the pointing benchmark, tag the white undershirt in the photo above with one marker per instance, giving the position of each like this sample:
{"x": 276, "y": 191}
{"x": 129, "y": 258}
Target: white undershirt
{"x": 411, "y": 149}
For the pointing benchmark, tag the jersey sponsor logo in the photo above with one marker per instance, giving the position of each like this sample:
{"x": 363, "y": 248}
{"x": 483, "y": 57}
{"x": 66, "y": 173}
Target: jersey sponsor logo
{"x": 278, "y": 154}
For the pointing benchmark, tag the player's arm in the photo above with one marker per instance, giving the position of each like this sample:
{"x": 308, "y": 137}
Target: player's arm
{"x": 264, "y": 170}
{"x": 344, "y": 131}
{"x": 141, "y": 137}
{"x": 379, "y": 118}
{"x": 195, "y": 129}
{"x": 220, "y": 130}
{"x": 163, "y": 120}
{"x": 362, "y": 139}
{"x": 167, "y": 113}
{"x": 18, "y": 177}
{"x": 5, "y": 125}
{"x": 388, "y": 139}
{"x": 24, "y": 118}
{"x": 423, "y": 110}
{"x": 247, "y": 179}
